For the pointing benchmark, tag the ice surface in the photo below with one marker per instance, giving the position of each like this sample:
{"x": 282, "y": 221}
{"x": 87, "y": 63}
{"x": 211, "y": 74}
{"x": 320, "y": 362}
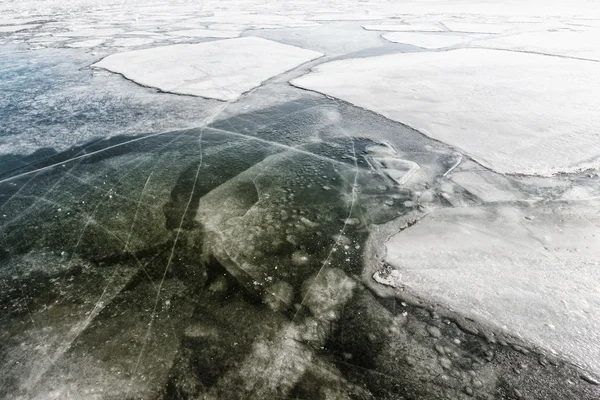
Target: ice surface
{"x": 473, "y": 27}
{"x": 245, "y": 256}
{"x": 205, "y": 33}
{"x": 131, "y": 42}
{"x": 531, "y": 271}
{"x": 91, "y": 32}
{"x": 222, "y": 70}
{"x": 16, "y": 28}
{"x": 514, "y": 112}
{"x": 86, "y": 43}
{"x": 580, "y": 43}
{"x": 425, "y": 40}
{"x": 416, "y": 27}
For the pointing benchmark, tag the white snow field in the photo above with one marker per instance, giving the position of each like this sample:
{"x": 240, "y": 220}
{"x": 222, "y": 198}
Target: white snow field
{"x": 425, "y": 40}
{"x": 221, "y": 70}
{"x": 512, "y": 112}
{"x": 532, "y": 272}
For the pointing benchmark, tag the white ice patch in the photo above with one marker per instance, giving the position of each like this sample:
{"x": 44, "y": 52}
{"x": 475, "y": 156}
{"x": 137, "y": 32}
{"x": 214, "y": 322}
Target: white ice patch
{"x": 533, "y": 272}
{"x": 513, "y": 112}
{"x": 472, "y": 27}
{"x": 425, "y": 40}
{"x": 222, "y": 70}
{"x": 205, "y": 33}
{"x": 424, "y": 27}
{"x": 568, "y": 43}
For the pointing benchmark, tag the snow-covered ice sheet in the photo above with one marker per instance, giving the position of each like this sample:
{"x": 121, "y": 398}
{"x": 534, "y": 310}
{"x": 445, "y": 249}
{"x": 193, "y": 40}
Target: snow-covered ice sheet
{"x": 222, "y": 70}
{"x": 205, "y": 33}
{"x": 474, "y": 27}
{"x": 513, "y": 112}
{"x": 425, "y": 40}
{"x": 579, "y": 43}
{"x": 530, "y": 271}
{"x": 131, "y": 42}
{"x": 85, "y": 43}
{"x": 416, "y": 27}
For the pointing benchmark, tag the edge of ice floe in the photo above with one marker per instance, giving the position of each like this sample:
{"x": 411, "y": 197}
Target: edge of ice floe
{"x": 587, "y": 166}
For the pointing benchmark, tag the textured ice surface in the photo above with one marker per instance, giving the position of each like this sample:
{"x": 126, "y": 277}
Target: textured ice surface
{"x": 425, "y": 40}
{"x": 222, "y": 70}
{"x": 514, "y": 112}
{"x": 529, "y": 270}
{"x": 245, "y": 257}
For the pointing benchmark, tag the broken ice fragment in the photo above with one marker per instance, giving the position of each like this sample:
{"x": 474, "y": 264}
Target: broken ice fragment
{"x": 388, "y": 276}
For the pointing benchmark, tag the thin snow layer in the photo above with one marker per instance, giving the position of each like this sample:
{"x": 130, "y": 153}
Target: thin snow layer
{"x": 423, "y": 27}
{"x": 472, "y": 27}
{"x": 532, "y": 272}
{"x": 221, "y": 69}
{"x": 568, "y": 43}
{"x": 424, "y": 40}
{"x": 205, "y": 33}
{"x": 513, "y": 112}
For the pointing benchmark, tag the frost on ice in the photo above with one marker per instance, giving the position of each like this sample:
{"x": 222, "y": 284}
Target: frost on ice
{"x": 513, "y": 112}
{"x": 222, "y": 70}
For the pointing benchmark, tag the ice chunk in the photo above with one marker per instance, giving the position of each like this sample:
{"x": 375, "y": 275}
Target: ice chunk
{"x": 424, "y": 40}
{"x": 223, "y": 69}
{"x": 417, "y": 27}
{"x": 520, "y": 269}
{"x": 513, "y": 112}
{"x": 486, "y": 185}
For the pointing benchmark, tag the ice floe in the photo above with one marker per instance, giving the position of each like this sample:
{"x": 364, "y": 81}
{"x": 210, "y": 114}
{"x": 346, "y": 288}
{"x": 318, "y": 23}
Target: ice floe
{"x": 223, "y": 70}
{"x": 530, "y": 271}
{"x": 206, "y": 33}
{"x": 85, "y": 43}
{"x": 417, "y": 27}
{"x": 561, "y": 42}
{"x": 424, "y": 40}
{"x": 473, "y": 27}
{"x": 513, "y": 112}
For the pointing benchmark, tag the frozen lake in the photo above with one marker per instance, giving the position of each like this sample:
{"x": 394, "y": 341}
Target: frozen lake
{"x": 299, "y": 200}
